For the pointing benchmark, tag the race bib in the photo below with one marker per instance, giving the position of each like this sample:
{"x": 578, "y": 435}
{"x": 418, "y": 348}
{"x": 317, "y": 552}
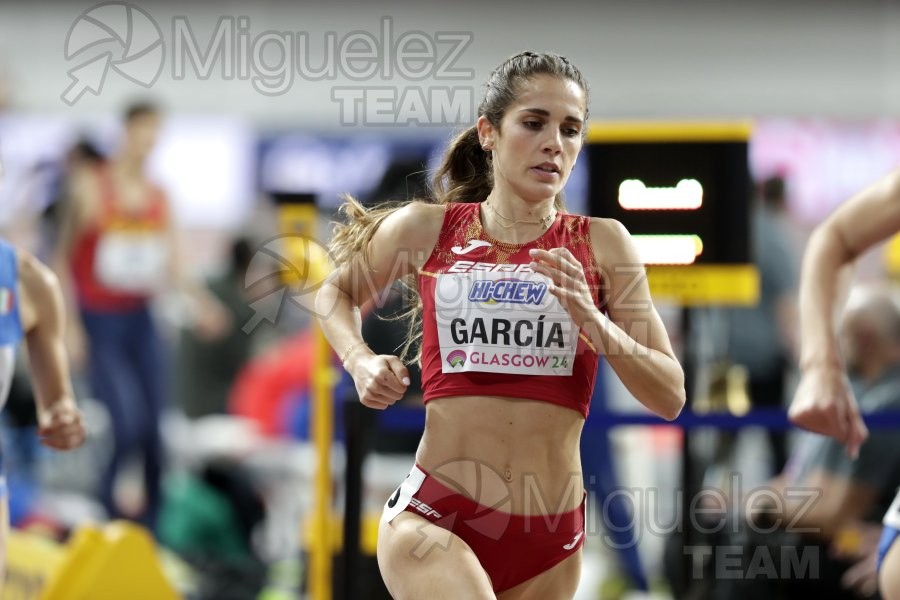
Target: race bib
{"x": 500, "y": 322}
{"x": 403, "y": 495}
{"x": 132, "y": 261}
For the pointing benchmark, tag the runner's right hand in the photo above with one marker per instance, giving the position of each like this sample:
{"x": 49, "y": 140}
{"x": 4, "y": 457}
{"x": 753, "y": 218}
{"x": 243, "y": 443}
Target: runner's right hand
{"x": 381, "y": 380}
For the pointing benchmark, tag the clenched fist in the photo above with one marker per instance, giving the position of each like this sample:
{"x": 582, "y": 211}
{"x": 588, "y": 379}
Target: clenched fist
{"x": 60, "y": 427}
{"x": 380, "y": 380}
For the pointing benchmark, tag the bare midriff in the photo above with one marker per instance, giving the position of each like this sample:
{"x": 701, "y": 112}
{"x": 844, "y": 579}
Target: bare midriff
{"x": 515, "y": 455}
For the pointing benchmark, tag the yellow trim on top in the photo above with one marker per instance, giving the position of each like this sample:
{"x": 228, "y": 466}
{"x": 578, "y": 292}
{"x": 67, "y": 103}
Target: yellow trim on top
{"x": 669, "y": 131}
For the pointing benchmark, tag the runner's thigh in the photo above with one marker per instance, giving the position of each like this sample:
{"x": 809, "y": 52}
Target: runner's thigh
{"x": 420, "y": 560}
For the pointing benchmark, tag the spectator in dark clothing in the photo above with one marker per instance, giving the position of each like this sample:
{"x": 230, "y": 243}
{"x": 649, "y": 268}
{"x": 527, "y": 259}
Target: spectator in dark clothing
{"x": 207, "y": 368}
{"x": 762, "y": 337}
{"x": 789, "y": 550}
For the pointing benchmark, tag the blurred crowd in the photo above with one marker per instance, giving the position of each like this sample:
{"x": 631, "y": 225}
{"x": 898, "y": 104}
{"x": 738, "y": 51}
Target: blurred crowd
{"x": 199, "y": 409}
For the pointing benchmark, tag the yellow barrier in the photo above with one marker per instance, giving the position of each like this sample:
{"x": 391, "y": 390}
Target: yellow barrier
{"x": 30, "y": 561}
{"x": 116, "y": 562}
{"x": 310, "y": 267}
{"x": 368, "y": 539}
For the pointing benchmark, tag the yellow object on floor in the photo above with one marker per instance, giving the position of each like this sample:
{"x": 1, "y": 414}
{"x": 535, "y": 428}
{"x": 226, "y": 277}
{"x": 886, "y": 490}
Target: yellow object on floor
{"x": 110, "y": 563}
{"x": 368, "y": 535}
{"x": 30, "y": 559}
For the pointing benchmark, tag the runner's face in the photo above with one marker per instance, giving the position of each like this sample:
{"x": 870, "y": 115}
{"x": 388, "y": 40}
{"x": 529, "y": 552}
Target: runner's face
{"x": 540, "y": 137}
{"x": 141, "y": 134}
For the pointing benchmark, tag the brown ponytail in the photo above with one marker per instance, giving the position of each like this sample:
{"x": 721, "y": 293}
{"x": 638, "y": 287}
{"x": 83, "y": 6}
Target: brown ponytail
{"x": 352, "y": 238}
{"x": 465, "y": 174}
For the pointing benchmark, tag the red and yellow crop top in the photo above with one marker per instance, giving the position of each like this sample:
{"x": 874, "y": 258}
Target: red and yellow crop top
{"x": 491, "y": 327}
{"x": 121, "y": 260}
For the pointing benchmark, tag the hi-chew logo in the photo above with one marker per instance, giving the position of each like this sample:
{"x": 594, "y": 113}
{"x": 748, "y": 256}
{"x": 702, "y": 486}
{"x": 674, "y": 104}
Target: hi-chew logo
{"x": 457, "y": 358}
{"x": 511, "y": 290}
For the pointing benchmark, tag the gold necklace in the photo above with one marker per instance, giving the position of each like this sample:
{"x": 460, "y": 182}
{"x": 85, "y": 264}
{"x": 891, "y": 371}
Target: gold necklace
{"x": 545, "y": 221}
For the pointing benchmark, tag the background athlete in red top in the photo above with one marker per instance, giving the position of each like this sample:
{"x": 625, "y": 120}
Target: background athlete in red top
{"x": 117, "y": 251}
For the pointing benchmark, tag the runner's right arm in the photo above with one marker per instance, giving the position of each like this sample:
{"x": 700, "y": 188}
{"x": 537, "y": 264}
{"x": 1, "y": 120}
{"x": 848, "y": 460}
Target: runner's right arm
{"x": 399, "y": 247}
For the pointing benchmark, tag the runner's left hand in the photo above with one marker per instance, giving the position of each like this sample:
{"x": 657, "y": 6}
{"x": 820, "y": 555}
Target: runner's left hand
{"x": 568, "y": 282}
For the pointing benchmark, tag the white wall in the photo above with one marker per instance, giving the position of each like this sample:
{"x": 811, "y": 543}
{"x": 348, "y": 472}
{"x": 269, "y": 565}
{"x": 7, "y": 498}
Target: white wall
{"x": 644, "y": 59}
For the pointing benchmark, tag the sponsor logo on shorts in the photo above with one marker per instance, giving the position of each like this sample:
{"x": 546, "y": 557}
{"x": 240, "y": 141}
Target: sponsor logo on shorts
{"x": 425, "y": 509}
{"x": 574, "y": 542}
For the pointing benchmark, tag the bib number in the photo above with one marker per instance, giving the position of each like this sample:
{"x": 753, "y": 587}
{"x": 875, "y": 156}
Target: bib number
{"x": 503, "y": 323}
{"x": 133, "y": 262}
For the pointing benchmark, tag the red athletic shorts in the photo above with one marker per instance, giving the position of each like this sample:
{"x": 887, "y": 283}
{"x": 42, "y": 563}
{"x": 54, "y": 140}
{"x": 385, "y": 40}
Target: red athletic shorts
{"x": 511, "y": 548}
